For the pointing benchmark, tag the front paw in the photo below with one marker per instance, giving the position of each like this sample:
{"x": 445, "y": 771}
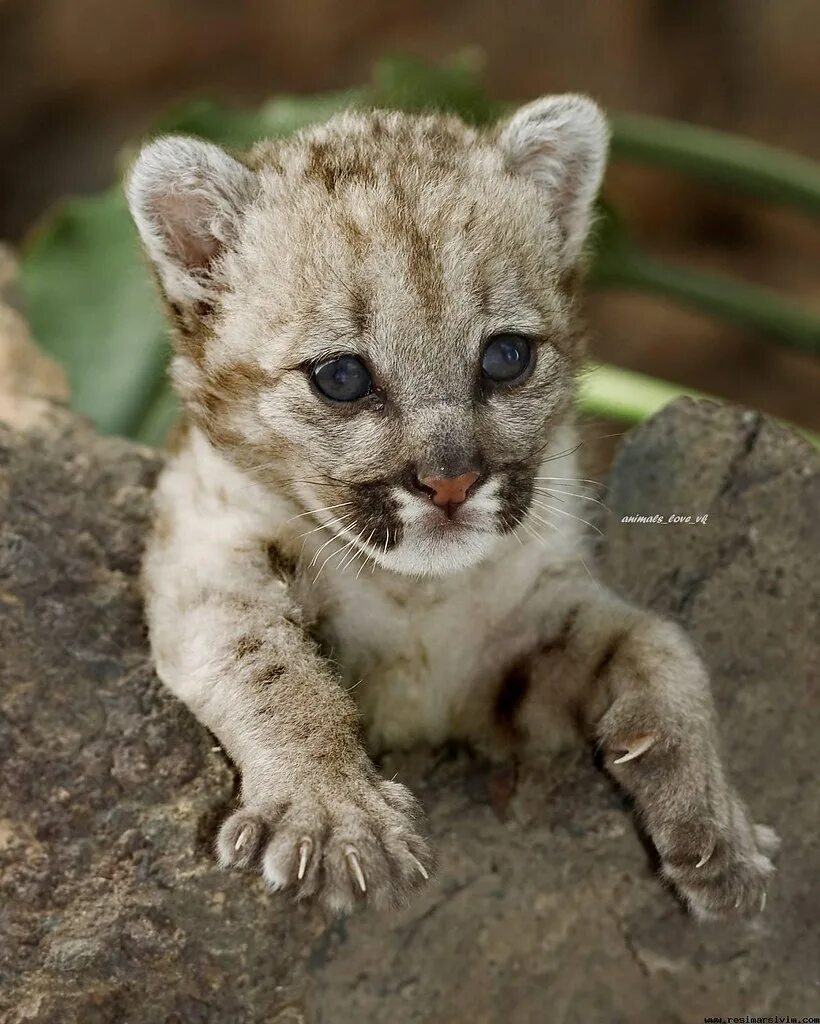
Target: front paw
{"x": 719, "y": 869}
{"x": 340, "y": 845}
{"x": 717, "y": 859}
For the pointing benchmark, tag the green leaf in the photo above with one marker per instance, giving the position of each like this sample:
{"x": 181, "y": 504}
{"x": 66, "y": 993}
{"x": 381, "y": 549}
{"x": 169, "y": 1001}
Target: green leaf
{"x": 633, "y": 397}
{"x": 93, "y": 306}
{"x": 90, "y": 297}
{"x": 719, "y": 158}
{"x": 451, "y": 87}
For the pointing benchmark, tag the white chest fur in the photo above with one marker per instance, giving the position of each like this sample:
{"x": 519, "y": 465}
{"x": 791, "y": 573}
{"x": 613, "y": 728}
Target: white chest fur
{"x": 412, "y": 651}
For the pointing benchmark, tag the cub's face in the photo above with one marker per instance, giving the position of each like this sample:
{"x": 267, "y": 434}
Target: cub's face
{"x": 376, "y": 316}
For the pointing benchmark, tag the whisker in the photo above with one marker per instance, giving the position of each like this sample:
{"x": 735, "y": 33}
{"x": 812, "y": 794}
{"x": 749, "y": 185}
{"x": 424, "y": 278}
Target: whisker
{"x": 384, "y": 553}
{"x": 338, "y": 521}
{"x": 568, "y": 480}
{"x": 315, "y": 511}
{"x": 333, "y": 554}
{"x": 325, "y": 526}
{"x": 561, "y": 512}
{"x": 354, "y": 552}
{"x": 512, "y": 527}
{"x": 533, "y": 533}
{"x": 569, "y": 494}
{"x": 543, "y": 521}
{"x": 322, "y": 548}
{"x": 367, "y": 553}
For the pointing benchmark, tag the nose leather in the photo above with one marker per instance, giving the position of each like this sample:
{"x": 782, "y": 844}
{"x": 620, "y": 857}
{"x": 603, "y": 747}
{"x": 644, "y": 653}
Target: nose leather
{"x": 449, "y": 490}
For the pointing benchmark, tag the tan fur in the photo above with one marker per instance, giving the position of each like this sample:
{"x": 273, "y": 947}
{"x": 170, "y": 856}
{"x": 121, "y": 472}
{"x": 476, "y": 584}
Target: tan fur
{"x": 304, "y": 594}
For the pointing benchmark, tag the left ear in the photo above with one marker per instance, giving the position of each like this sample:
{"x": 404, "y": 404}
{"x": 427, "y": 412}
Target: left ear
{"x": 560, "y": 143}
{"x": 187, "y": 198}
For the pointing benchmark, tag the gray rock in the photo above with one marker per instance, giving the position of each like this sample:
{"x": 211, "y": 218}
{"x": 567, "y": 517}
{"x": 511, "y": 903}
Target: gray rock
{"x": 545, "y": 907}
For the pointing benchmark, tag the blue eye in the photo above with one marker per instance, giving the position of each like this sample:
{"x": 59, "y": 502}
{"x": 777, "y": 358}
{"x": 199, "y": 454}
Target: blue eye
{"x": 506, "y": 357}
{"x": 343, "y": 379}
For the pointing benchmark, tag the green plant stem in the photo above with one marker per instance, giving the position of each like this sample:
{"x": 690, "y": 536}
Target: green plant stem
{"x": 632, "y": 397}
{"x": 718, "y": 157}
{"x": 748, "y": 306}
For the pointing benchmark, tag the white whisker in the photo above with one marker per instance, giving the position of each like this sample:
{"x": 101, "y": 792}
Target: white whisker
{"x": 561, "y": 512}
{"x": 569, "y": 480}
{"x": 367, "y": 554}
{"x": 325, "y": 526}
{"x": 322, "y": 548}
{"x": 355, "y": 545}
{"x": 569, "y": 494}
{"x": 315, "y": 511}
{"x": 542, "y": 521}
{"x": 333, "y": 554}
{"x": 533, "y": 533}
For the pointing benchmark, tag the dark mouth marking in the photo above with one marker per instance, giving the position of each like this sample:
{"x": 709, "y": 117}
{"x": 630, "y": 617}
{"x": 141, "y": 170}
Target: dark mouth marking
{"x": 514, "y": 497}
{"x": 377, "y": 516}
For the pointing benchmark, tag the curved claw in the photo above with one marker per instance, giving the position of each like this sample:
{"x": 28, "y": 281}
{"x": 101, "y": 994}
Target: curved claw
{"x": 705, "y": 858}
{"x": 242, "y": 838}
{"x": 763, "y": 902}
{"x": 425, "y": 874}
{"x": 305, "y": 848}
{"x": 638, "y": 746}
{"x": 355, "y": 867}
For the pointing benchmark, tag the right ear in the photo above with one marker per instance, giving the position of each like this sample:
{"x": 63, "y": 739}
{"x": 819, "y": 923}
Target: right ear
{"x": 187, "y": 198}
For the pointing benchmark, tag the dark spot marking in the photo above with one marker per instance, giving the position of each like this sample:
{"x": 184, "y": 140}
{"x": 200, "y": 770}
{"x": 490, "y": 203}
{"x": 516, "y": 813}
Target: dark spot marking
{"x": 512, "y": 691}
{"x": 247, "y": 644}
{"x": 560, "y": 641}
{"x": 470, "y": 219}
{"x": 331, "y": 168}
{"x": 359, "y": 311}
{"x": 268, "y": 675}
{"x": 355, "y": 237}
{"x": 192, "y": 328}
{"x": 607, "y": 655}
{"x": 280, "y": 564}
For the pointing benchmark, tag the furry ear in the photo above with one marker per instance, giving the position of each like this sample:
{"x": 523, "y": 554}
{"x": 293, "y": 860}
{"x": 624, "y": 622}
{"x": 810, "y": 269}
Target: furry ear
{"x": 560, "y": 143}
{"x": 187, "y": 198}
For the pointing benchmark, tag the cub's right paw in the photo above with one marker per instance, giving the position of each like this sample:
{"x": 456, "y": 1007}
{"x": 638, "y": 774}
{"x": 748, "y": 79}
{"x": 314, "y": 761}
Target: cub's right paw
{"x": 339, "y": 846}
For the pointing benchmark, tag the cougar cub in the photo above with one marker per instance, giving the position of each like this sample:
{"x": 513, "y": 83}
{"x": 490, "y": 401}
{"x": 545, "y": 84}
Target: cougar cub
{"x": 370, "y": 527}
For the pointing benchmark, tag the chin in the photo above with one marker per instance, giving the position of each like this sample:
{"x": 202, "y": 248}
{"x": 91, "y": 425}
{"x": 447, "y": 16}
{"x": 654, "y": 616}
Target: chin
{"x": 441, "y": 552}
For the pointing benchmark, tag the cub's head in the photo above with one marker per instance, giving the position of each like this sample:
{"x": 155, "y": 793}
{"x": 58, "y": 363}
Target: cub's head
{"x": 376, "y": 316}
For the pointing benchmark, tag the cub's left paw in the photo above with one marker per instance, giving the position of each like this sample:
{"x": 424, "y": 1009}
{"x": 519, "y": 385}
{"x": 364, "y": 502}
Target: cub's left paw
{"x": 720, "y": 870}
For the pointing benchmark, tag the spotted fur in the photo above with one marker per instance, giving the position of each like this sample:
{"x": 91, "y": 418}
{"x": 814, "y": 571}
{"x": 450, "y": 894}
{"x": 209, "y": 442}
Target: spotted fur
{"x": 305, "y": 596}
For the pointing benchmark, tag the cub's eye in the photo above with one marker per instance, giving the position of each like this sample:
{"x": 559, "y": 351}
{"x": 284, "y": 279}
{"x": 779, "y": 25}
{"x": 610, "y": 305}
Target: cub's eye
{"x": 506, "y": 357}
{"x": 343, "y": 379}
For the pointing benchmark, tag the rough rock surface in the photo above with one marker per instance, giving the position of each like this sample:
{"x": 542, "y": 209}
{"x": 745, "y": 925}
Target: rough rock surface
{"x": 545, "y": 907}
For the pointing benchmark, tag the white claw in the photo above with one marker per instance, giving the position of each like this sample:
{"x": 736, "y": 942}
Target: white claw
{"x": 739, "y": 900}
{"x": 355, "y": 867}
{"x": 642, "y": 745}
{"x": 242, "y": 838}
{"x": 705, "y": 858}
{"x": 305, "y": 848}
{"x": 422, "y": 869}
{"x": 763, "y": 902}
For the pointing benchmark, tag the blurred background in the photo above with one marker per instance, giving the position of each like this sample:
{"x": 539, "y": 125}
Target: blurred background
{"x": 84, "y": 78}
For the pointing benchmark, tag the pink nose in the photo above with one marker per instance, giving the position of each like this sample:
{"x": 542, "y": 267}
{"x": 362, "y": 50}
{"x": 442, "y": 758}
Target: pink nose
{"x": 449, "y": 490}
